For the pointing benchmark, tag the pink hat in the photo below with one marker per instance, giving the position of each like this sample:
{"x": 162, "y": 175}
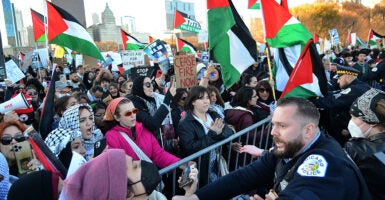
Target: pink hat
{"x": 104, "y": 177}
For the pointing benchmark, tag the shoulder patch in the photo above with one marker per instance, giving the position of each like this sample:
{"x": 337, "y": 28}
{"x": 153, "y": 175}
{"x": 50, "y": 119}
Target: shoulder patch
{"x": 346, "y": 91}
{"x": 374, "y": 69}
{"x": 313, "y": 166}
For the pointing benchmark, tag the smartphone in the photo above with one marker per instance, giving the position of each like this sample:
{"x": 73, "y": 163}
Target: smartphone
{"x": 63, "y": 78}
{"x": 185, "y": 177}
{"x": 23, "y": 154}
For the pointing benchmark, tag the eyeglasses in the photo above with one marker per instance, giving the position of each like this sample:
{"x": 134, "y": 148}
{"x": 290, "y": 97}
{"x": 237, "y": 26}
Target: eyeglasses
{"x": 147, "y": 84}
{"x": 6, "y": 140}
{"x": 262, "y": 90}
{"x": 131, "y": 112}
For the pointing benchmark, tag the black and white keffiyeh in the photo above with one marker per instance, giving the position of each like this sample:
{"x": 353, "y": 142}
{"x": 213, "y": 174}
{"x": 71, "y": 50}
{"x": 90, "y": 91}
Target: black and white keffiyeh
{"x": 70, "y": 121}
{"x": 364, "y": 107}
{"x": 59, "y": 138}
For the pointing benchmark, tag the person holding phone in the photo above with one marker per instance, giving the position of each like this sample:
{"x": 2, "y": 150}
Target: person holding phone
{"x": 11, "y": 133}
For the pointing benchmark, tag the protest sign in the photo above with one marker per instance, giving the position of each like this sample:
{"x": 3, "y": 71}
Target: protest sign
{"x": 185, "y": 71}
{"x": 132, "y": 58}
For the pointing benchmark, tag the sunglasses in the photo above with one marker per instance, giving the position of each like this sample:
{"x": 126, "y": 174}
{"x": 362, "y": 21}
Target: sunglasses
{"x": 32, "y": 93}
{"x": 131, "y": 112}
{"x": 147, "y": 84}
{"x": 262, "y": 90}
{"x": 8, "y": 139}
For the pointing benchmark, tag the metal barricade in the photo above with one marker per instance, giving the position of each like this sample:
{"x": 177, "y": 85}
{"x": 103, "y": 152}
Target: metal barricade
{"x": 257, "y": 134}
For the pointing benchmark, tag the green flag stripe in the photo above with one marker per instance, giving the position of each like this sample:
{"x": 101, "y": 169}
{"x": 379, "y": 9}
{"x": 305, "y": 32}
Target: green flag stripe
{"x": 220, "y": 21}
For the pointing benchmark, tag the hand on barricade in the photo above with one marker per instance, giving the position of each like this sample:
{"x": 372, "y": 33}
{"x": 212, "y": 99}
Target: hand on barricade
{"x": 252, "y": 150}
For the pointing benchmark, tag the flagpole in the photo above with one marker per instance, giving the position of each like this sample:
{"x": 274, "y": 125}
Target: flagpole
{"x": 270, "y": 71}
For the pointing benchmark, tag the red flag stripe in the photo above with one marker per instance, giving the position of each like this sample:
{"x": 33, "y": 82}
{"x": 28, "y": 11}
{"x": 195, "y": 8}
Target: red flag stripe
{"x": 56, "y": 23}
{"x": 270, "y": 16}
{"x": 211, "y": 4}
{"x": 302, "y": 72}
{"x": 178, "y": 19}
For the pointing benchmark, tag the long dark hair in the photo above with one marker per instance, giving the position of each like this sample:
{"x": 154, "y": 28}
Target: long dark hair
{"x": 242, "y": 97}
{"x": 196, "y": 92}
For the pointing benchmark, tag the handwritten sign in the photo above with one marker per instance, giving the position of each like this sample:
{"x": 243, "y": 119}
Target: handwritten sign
{"x": 132, "y": 58}
{"x": 185, "y": 71}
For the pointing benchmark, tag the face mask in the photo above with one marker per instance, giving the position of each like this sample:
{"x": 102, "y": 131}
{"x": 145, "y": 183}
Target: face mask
{"x": 355, "y": 130}
{"x": 150, "y": 176}
{"x": 62, "y": 95}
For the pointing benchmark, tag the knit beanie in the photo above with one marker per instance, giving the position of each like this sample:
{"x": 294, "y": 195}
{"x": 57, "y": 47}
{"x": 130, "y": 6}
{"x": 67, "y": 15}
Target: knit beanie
{"x": 42, "y": 185}
{"x": 104, "y": 177}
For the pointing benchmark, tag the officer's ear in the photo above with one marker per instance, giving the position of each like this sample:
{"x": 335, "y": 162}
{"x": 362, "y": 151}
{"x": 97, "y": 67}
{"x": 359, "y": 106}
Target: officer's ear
{"x": 309, "y": 128}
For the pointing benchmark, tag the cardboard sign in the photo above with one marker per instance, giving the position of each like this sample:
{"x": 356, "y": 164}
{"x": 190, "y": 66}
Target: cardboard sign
{"x": 132, "y": 58}
{"x": 185, "y": 71}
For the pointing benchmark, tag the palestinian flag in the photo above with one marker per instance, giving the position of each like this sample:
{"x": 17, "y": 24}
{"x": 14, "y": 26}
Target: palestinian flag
{"x": 184, "y": 46}
{"x": 66, "y": 31}
{"x": 289, "y": 38}
{"x": 316, "y": 39}
{"x": 129, "y": 42}
{"x": 254, "y": 5}
{"x": 38, "y": 26}
{"x": 349, "y": 39}
{"x": 150, "y": 39}
{"x": 186, "y": 22}
{"x": 359, "y": 42}
{"x": 21, "y": 56}
{"x": 373, "y": 37}
{"x": 47, "y": 112}
{"x": 230, "y": 42}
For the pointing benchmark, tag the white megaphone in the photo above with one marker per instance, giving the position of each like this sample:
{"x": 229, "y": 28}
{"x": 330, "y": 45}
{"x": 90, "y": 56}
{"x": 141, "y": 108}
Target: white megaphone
{"x": 17, "y": 102}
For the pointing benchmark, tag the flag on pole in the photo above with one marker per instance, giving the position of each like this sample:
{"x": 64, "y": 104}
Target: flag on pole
{"x": 289, "y": 38}
{"x": 47, "y": 112}
{"x": 184, "y": 46}
{"x": 186, "y": 22}
{"x": 230, "y": 41}
{"x": 129, "y": 42}
{"x": 66, "y": 31}
{"x": 373, "y": 37}
{"x": 38, "y": 26}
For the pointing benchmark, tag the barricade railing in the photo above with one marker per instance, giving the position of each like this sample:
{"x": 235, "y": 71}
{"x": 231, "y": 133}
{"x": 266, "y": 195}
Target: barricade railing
{"x": 258, "y": 134}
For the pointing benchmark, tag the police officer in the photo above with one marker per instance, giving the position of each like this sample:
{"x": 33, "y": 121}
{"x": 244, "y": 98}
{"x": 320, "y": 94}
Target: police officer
{"x": 336, "y": 107}
{"x": 377, "y": 73}
{"x": 304, "y": 164}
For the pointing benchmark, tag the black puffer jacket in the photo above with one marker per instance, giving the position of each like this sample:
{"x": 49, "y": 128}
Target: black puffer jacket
{"x": 367, "y": 153}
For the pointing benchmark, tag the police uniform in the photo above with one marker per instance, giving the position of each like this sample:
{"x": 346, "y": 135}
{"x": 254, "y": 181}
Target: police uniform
{"x": 336, "y": 107}
{"x": 322, "y": 171}
{"x": 377, "y": 74}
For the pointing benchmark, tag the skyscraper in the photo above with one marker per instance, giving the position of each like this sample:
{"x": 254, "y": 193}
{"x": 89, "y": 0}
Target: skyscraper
{"x": 74, "y": 7}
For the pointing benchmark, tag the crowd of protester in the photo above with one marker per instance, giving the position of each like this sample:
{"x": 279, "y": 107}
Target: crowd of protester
{"x": 150, "y": 120}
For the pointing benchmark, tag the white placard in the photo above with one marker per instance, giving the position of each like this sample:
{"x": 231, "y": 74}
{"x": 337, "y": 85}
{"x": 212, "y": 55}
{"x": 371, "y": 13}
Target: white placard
{"x": 14, "y": 73}
{"x": 132, "y": 58}
{"x": 79, "y": 60}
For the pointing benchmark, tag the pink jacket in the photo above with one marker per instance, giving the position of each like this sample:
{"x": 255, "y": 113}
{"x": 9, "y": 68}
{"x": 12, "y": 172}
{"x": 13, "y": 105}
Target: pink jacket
{"x": 146, "y": 142}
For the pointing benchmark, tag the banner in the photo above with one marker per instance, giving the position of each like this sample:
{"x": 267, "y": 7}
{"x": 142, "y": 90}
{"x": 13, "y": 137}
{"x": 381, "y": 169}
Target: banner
{"x": 185, "y": 71}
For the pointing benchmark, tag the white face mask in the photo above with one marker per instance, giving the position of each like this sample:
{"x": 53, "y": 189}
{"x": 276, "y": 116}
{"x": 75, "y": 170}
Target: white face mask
{"x": 355, "y": 130}
{"x": 62, "y": 95}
